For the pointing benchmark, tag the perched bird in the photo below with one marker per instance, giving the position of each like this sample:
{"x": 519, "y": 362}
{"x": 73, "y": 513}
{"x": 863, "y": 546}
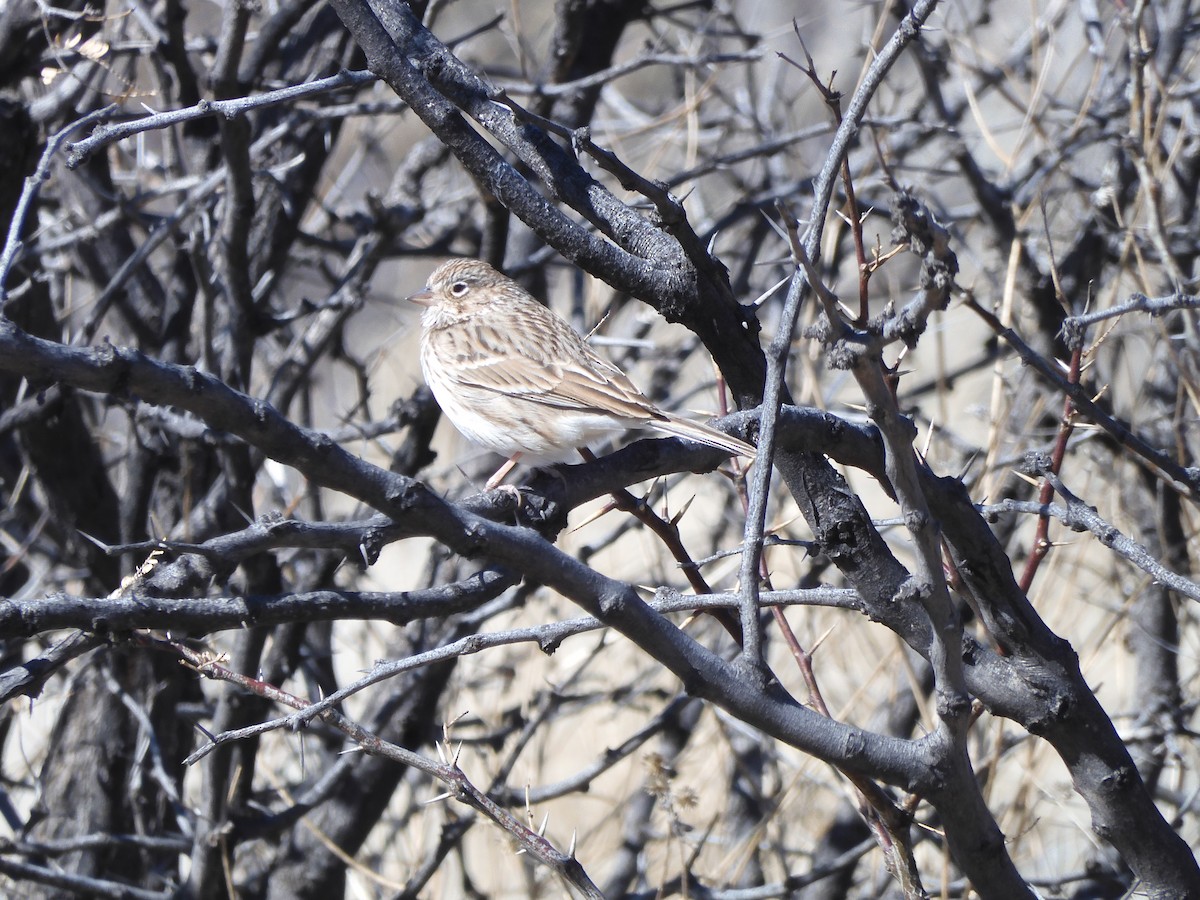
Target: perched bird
{"x": 514, "y": 377}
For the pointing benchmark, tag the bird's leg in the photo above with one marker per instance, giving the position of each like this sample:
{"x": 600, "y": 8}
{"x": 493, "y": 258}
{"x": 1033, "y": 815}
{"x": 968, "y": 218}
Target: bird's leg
{"x": 501, "y": 472}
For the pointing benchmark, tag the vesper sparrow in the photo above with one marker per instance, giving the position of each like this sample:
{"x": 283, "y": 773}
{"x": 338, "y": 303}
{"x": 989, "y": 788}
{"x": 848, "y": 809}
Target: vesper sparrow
{"x": 514, "y": 377}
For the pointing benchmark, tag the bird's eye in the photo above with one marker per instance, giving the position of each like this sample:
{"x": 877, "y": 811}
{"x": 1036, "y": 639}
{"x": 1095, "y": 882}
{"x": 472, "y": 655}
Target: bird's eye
{"x": 459, "y": 289}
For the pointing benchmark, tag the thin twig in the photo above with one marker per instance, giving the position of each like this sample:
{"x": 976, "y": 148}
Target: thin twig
{"x": 33, "y": 184}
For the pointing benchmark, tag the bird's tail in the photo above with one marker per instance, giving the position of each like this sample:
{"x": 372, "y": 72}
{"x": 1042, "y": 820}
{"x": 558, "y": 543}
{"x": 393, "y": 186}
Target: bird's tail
{"x": 694, "y": 431}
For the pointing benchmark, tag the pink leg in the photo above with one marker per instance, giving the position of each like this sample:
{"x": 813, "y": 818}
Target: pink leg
{"x": 501, "y": 472}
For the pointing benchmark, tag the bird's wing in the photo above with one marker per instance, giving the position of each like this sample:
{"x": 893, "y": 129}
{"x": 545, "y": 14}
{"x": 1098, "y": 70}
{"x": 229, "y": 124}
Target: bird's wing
{"x": 557, "y": 370}
{"x": 585, "y": 389}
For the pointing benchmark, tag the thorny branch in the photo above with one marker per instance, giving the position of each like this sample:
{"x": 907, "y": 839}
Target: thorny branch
{"x": 198, "y": 336}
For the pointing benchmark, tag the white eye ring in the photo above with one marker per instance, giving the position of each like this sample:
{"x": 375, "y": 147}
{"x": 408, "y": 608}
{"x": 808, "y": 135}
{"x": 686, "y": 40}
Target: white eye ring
{"x": 459, "y": 289}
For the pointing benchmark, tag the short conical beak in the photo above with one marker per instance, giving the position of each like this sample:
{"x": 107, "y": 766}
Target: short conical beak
{"x": 423, "y": 297}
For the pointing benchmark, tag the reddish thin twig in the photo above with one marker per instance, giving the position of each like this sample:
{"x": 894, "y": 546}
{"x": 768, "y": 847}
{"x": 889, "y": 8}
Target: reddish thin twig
{"x": 1041, "y": 542}
{"x": 668, "y": 533}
